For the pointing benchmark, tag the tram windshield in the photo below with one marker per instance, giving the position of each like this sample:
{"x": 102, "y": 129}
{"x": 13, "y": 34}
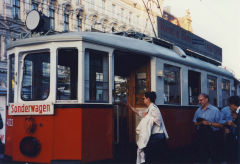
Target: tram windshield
{"x": 36, "y": 77}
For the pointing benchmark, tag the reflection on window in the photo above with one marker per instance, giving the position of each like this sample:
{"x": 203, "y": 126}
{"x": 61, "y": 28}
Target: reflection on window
{"x": 120, "y": 90}
{"x": 36, "y": 77}
{"x": 11, "y": 78}
{"x": 96, "y": 76}
{"x": 171, "y": 84}
{"x": 212, "y": 90}
{"x": 225, "y": 91}
{"x": 67, "y": 74}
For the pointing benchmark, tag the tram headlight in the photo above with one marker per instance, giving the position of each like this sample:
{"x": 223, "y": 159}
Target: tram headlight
{"x": 30, "y": 146}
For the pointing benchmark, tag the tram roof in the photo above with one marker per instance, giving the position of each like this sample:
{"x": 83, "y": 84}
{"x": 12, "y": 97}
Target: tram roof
{"x": 123, "y": 43}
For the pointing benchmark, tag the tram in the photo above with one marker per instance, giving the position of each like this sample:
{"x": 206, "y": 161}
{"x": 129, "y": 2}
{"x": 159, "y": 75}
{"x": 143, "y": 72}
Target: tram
{"x": 68, "y": 94}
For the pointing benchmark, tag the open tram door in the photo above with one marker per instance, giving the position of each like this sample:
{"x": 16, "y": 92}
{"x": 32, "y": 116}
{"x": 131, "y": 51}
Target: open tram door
{"x": 131, "y": 81}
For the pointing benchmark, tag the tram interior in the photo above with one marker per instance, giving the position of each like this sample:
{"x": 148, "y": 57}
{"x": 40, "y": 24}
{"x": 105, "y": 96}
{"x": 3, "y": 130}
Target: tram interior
{"x": 130, "y": 83}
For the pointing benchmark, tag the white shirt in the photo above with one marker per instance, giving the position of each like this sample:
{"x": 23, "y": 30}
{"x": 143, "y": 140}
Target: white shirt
{"x": 237, "y": 111}
{"x": 159, "y": 126}
{"x": 152, "y": 123}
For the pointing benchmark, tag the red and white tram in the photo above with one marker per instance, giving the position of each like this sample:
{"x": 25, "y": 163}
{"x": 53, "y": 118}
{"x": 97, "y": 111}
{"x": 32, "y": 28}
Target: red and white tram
{"x": 68, "y": 93}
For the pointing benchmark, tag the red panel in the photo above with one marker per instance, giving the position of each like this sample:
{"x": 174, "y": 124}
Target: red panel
{"x": 43, "y": 133}
{"x": 67, "y": 141}
{"x": 179, "y": 126}
{"x": 9, "y": 133}
{"x": 97, "y": 134}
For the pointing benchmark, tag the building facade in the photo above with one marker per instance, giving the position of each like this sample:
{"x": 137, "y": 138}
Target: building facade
{"x": 80, "y": 15}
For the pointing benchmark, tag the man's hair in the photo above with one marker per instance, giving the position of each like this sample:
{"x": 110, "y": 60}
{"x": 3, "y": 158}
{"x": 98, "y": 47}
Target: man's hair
{"x": 234, "y": 100}
{"x": 204, "y": 95}
{"x": 151, "y": 95}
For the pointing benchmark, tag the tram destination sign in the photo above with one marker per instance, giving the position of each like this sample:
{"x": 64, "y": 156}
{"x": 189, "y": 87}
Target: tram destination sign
{"x": 187, "y": 40}
{"x": 31, "y": 109}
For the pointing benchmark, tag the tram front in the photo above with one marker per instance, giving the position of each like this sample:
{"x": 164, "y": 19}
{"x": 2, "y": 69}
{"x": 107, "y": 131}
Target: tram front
{"x": 59, "y": 102}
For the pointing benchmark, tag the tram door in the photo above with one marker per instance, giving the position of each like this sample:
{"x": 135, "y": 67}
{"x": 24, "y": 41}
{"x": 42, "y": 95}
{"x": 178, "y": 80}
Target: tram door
{"x": 132, "y": 80}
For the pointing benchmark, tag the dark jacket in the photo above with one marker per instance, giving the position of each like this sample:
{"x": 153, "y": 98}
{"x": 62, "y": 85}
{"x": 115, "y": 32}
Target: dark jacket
{"x": 1, "y": 122}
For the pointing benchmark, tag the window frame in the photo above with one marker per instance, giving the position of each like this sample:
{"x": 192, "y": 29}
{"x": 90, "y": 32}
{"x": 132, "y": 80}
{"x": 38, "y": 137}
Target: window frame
{"x": 212, "y": 77}
{"x": 22, "y": 57}
{"x": 86, "y": 97}
{"x": 178, "y": 80}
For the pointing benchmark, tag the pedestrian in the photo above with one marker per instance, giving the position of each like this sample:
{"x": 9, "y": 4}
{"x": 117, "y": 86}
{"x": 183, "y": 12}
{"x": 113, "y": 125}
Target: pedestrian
{"x": 151, "y": 131}
{"x": 1, "y": 121}
{"x": 207, "y": 120}
{"x": 234, "y": 103}
{"x": 228, "y": 137}
{"x": 1, "y": 144}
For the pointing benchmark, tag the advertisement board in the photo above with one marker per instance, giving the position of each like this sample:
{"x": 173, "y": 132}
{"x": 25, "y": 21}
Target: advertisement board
{"x": 187, "y": 40}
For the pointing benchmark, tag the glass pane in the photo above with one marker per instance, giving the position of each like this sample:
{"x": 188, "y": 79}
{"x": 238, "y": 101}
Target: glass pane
{"x": 67, "y": 74}
{"x": 172, "y": 93}
{"x": 11, "y": 78}
{"x": 225, "y": 91}
{"x": 212, "y": 90}
{"x": 96, "y": 82}
{"x": 194, "y": 87}
{"x": 36, "y": 77}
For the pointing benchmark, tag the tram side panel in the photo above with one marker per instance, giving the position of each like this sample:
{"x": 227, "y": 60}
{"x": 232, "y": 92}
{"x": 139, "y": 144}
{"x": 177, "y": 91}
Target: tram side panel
{"x": 179, "y": 125}
{"x": 97, "y": 134}
{"x": 71, "y": 134}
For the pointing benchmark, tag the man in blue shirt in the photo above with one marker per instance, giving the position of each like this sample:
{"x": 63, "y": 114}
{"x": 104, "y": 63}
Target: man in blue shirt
{"x": 207, "y": 120}
{"x": 228, "y": 138}
{"x": 234, "y": 103}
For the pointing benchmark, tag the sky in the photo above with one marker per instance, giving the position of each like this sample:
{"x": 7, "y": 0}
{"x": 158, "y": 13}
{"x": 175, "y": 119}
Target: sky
{"x": 217, "y": 21}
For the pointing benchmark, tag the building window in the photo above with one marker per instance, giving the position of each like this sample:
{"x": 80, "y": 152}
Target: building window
{"x": 66, "y": 22}
{"x": 92, "y": 4}
{"x": 225, "y": 91}
{"x": 11, "y": 78}
{"x": 96, "y": 76}
{"x": 122, "y": 14}
{"x": 130, "y": 17}
{"x": 172, "y": 93}
{"x": 16, "y": 9}
{"x": 212, "y": 89}
{"x": 52, "y": 19}
{"x": 103, "y": 5}
{"x": 113, "y": 10}
{"x": 79, "y": 24}
{"x": 34, "y": 6}
{"x": 36, "y": 77}
{"x": 67, "y": 74}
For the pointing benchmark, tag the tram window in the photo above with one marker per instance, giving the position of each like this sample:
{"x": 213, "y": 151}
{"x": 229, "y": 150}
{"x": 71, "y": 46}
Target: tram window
{"x": 67, "y": 74}
{"x": 212, "y": 89}
{"x": 225, "y": 91}
{"x": 172, "y": 93}
{"x": 36, "y": 77}
{"x": 194, "y": 87}
{"x": 96, "y": 76}
{"x": 11, "y": 78}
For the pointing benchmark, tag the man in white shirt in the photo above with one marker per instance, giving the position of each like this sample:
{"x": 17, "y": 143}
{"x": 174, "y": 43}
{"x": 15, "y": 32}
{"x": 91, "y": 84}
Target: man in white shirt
{"x": 151, "y": 130}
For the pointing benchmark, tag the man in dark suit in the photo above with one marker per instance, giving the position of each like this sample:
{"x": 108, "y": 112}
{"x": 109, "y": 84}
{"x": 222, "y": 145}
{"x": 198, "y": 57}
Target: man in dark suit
{"x": 234, "y": 103}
